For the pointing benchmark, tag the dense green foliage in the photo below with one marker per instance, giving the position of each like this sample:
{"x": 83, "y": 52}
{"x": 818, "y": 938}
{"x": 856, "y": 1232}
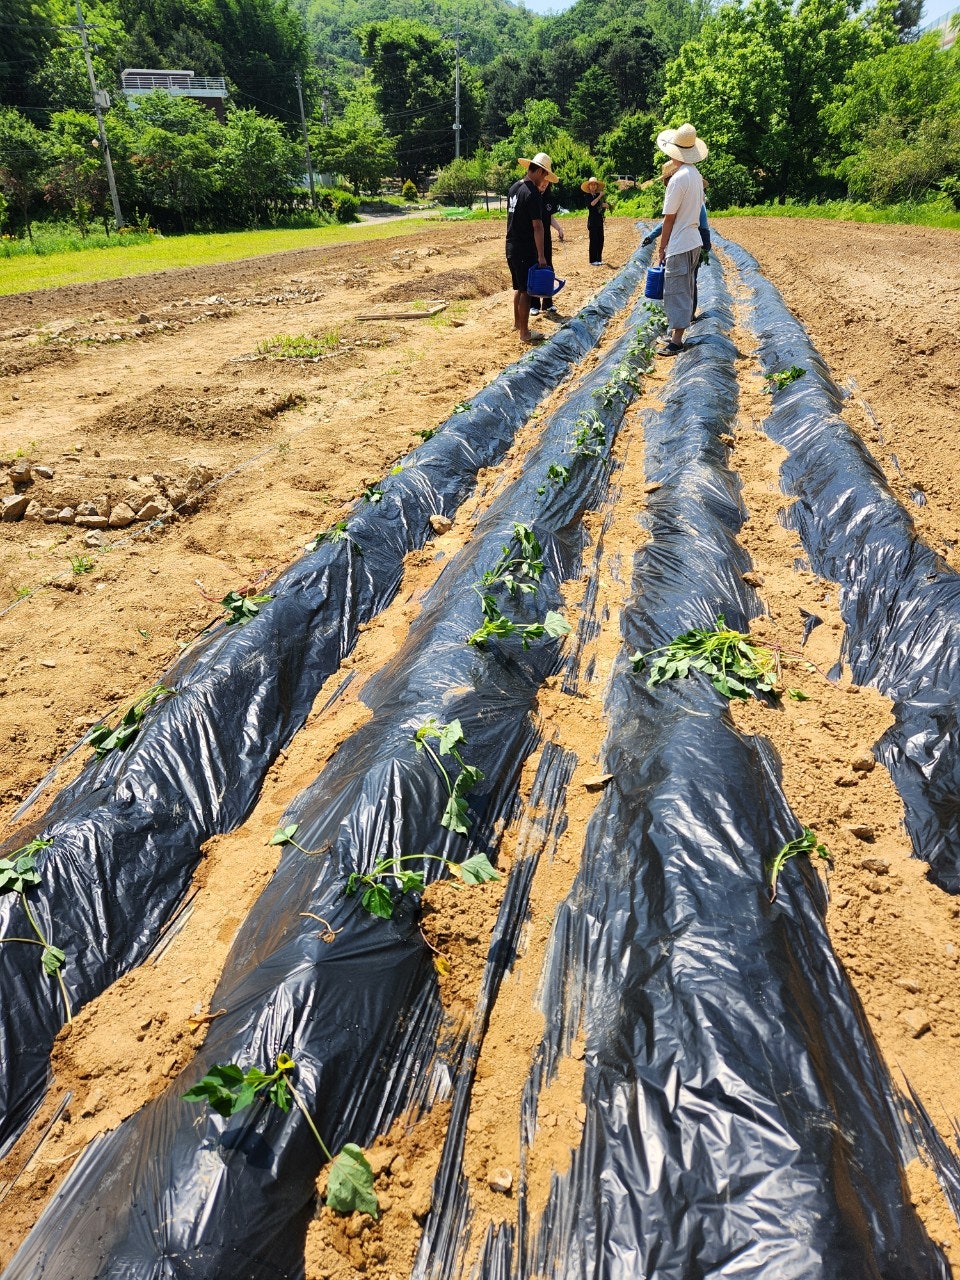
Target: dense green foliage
{"x": 798, "y": 99}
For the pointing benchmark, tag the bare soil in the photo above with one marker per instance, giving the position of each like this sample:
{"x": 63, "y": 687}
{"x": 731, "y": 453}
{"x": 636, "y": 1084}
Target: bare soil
{"x": 152, "y": 389}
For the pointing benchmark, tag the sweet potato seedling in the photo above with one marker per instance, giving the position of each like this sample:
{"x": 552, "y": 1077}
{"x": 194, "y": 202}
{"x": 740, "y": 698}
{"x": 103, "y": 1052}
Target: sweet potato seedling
{"x": 18, "y": 873}
{"x": 372, "y": 493}
{"x": 777, "y": 381}
{"x": 241, "y": 608}
{"x": 103, "y": 739}
{"x": 556, "y": 474}
{"x": 284, "y": 835}
{"x": 449, "y": 738}
{"x": 517, "y": 574}
{"x": 227, "y": 1088}
{"x": 377, "y": 896}
{"x": 734, "y": 665}
{"x": 336, "y": 533}
{"x": 589, "y": 436}
{"x": 807, "y": 843}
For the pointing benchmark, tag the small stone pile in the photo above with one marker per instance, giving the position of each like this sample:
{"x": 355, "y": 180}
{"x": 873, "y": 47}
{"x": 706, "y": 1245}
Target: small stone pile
{"x": 141, "y": 498}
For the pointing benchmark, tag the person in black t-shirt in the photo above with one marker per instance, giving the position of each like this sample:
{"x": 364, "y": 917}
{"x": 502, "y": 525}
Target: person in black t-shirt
{"x": 550, "y": 224}
{"x": 525, "y": 246}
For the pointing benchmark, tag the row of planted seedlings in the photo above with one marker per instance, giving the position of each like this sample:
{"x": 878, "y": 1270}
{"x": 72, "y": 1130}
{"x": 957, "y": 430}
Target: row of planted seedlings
{"x": 85, "y": 893}
{"x": 738, "y": 1116}
{"x": 899, "y": 600}
{"x": 330, "y": 991}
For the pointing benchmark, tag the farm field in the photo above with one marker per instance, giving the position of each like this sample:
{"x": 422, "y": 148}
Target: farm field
{"x": 164, "y": 394}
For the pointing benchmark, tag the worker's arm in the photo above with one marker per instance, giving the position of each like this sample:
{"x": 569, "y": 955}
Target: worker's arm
{"x": 557, "y": 227}
{"x": 668, "y": 220}
{"x": 538, "y": 241}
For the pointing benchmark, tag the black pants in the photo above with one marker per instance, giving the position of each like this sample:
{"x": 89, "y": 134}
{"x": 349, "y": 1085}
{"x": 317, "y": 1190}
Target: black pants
{"x": 596, "y": 241}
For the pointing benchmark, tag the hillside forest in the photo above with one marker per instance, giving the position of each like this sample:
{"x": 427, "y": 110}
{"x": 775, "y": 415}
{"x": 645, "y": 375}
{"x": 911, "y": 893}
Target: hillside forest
{"x": 799, "y": 101}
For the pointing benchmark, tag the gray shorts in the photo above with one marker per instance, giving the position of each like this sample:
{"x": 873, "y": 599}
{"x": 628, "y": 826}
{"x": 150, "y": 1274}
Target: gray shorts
{"x": 680, "y": 288}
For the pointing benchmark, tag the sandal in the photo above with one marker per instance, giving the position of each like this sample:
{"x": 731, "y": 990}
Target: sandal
{"x": 670, "y": 349}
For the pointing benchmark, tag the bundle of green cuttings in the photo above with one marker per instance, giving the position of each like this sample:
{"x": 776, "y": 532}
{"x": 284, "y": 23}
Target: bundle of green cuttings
{"x": 735, "y": 666}
{"x": 227, "y": 1088}
{"x": 777, "y": 381}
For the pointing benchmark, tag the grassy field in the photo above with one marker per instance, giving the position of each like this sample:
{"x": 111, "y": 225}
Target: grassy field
{"x": 27, "y": 273}
{"x": 916, "y": 214}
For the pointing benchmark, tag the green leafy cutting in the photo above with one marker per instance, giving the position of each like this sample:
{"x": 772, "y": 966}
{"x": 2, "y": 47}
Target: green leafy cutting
{"x": 284, "y": 835}
{"x": 377, "y": 897}
{"x": 372, "y": 493}
{"x": 589, "y": 436}
{"x": 777, "y": 381}
{"x": 103, "y": 739}
{"x": 807, "y": 844}
{"x": 18, "y": 873}
{"x": 227, "y": 1088}
{"x": 556, "y": 473}
{"x": 735, "y": 666}
{"x": 241, "y": 608}
{"x": 554, "y": 626}
{"x": 336, "y": 533}
{"x": 449, "y": 739}
{"x": 518, "y": 574}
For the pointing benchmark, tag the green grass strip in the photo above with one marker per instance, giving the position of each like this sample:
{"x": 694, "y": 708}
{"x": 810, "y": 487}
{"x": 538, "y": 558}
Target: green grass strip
{"x": 907, "y": 214}
{"x": 24, "y": 274}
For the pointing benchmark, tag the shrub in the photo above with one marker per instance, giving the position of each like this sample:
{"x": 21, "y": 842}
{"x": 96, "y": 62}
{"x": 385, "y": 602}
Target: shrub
{"x": 459, "y": 183}
{"x": 341, "y": 204}
{"x": 409, "y": 191}
{"x": 731, "y": 183}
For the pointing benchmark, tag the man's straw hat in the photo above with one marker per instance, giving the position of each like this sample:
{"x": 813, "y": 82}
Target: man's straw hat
{"x": 683, "y": 144}
{"x": 542, "y": 161}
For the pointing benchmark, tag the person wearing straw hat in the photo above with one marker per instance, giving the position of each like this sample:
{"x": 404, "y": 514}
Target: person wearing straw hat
{"x": 666, "y": 173}
{"x": 595, "y": 209}
{"x": 525, "y": 245}
{"x": 680, "y": 243}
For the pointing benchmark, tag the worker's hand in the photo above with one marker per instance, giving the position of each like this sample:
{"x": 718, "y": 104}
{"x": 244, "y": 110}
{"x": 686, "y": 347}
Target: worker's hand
{"x": 647, "y": 240}
{"x": 541, "y": 262}
{"x": 663, "y": 258}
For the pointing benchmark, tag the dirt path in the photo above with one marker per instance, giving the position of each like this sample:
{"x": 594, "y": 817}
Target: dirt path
{"x": 184, "y": 398}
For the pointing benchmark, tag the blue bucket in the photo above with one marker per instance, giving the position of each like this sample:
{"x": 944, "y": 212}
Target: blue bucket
{"x": 542, "y": 283}
{"x": 654, "y": 285}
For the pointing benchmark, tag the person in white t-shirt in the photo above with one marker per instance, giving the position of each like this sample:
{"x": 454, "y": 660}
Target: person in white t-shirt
{"x": 680, "y": 243}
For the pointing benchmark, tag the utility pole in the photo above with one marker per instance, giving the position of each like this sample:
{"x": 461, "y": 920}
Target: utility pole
{"x": 306, "y": 141}
{"x": 456, "y": 95}
{"x": 101, "y": 99}
{"x": 326, "y": 107}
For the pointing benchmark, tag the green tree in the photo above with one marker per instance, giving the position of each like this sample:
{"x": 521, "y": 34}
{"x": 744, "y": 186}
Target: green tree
{"x": 628, "y": 147}
{"x": 176, "y": 144}
{"x": 76, "y": 180}
{"x": 23, "y": 161}
{"x": 28, "y": 33}
{"x": 756, "y": 78}
{"x": 895, "y": 122}
{"x": 357, "y": 147}
{"x": 62, "y": 79}
{"x": 459, "y": 182}
{"x": 593, "y": 106}
{"x": 256, "y": 163}
{"x": 412, "y": 69}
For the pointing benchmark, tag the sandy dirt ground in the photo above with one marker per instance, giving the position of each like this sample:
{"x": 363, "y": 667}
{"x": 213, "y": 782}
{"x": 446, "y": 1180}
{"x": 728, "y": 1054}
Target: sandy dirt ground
{"x": 156, "y": 391}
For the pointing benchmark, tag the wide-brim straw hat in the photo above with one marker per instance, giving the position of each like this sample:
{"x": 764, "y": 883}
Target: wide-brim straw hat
{"x": 542, "y": 161}
{"x": 666, "y": 171}
{"x": 585, "y": 186}
{"x": 683, "y": 144}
